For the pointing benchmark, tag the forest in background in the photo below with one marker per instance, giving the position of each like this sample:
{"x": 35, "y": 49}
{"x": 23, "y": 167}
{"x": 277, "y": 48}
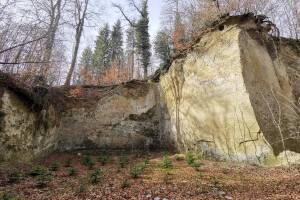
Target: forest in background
{"x": 33, "y": 35}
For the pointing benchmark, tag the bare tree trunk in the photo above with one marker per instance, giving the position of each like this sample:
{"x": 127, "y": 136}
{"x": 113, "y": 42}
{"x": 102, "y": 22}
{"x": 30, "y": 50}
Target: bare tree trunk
{"x": 55, "y": 15}
{"x": 80, "y": 15}
{"x": 74, "y": 58}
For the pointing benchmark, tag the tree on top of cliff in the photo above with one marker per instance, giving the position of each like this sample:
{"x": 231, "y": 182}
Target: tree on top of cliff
{"x": 86, "y": 66}
{"x": 163, "y": 47}
{"x": 143, "y": 38}
{"x": 141, "y": 31}
{"x": 102, "y": 52}
{"x": 117, "y": 52}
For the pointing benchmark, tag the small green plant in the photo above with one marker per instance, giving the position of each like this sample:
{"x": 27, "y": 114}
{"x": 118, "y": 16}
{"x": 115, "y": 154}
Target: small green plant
{"x": 147, "y": 161}
{"x": 89, "y": 162}
{"x": 196, "y": 166}
{"x": 68, "y": 162}
{"x": 43, "y": 180}
{"x": 167, "y": 162}
{"x": 15, "y": 177}
{"x": 54, "y": 166}
{"x": 95, "y": 176}
{"x": 123, "y": 160}
{"x": 138, "y": 169}
{"x": 38, "y": 170}
{"x": 190, "y": 158}
{"x": 72, "y": 171}
{"x": 83, "y": 186}
{"x": 7, "y": 196}
{"x": 103, "y": 159}
{"x": 125, "y": 184}
{"x": 135, "y": 172}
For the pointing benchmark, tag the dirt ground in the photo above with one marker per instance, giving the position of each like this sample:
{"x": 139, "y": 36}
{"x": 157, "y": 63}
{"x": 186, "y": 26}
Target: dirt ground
{"x": 207, "y": 180}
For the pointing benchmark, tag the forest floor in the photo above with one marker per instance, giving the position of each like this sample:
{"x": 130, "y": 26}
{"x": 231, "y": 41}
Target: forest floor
{"x": 75, "y": 176}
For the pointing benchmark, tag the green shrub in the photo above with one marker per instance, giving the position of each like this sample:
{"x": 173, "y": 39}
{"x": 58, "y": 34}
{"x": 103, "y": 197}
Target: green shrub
{"x": 147, "y": 161}
{"x": 72, "y": 171}
{"x": 125, "y": 184}
{"x": 196, "y": 166}
{"x": 190, "y": 158}
{"x": 54, "y": 166}
{"x": 167, "y": 162}
{"x": 15, "y": 177}
{"x": 89, "y": 162}
{"x": 68, "y": 162}
{"x": 38, "y": 170}
{"x": 43, "y": 180}
{"x": 95, "y": 176}
{"x": 123, "y": 160}
{"x": 83, "y": 186}
{"x": 7, "y": 196}
{"x": 103, "y": 159}
{"x": 138, "y": 169}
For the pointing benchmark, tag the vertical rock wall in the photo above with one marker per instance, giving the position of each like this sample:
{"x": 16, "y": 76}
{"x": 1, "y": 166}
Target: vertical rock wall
{"x": 24, "y": 134}
{"x": 232, "y": 96}
{"x": 118, "y": 117}
{"x": 126, "y": 119}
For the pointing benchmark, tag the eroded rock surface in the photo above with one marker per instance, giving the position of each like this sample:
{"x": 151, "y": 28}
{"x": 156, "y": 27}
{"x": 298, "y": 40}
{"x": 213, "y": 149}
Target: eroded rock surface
{"x": 232, "y": 94}
{"x": 115, "y": 117}
{"x": 235, "y": 94}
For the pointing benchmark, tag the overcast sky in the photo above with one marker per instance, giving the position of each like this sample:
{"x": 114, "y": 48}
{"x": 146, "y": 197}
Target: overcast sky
{"x": 110, "y": 15}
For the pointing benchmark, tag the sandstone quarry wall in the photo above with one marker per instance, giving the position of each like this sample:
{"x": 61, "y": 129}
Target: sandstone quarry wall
{"x": 235, "y": 95}
{"x": 23, "y": 135}
{"x": 126, "y": 119}
{"x": 119, "y": 117}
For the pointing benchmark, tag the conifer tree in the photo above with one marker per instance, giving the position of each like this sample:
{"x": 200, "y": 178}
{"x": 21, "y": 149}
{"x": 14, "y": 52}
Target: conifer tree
{"x": 143, "y": 38}
{"x": 102, "y": 53}
{"x": 163, "y": 47}
{"x": 86, "y": 60}
{"x": 141, "y": 27}
{"x": 117, "y": 43}
{"x": 86, "y": 65}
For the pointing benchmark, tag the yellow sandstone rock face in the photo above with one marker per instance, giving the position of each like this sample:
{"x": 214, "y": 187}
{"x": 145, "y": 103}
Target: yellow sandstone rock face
{"x": 123, "y": 117}
{"x": 225, "y": 98}
{"x": 234, "y": 95}
{"x": 23, "y": 135}
{"x": 118, "y": 121}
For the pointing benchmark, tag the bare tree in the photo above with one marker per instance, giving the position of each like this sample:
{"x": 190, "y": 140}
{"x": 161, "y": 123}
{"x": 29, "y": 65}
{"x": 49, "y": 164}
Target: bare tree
{"x": 80, "y": 15}
{"x": 196, "y": 14}
{"x": 52, "y": 9}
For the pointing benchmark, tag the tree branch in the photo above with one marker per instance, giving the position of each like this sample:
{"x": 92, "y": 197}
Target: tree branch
{"x": 23, "y": 44}
{"x": 28, "y": 62}
{"x": 124, "y": 15}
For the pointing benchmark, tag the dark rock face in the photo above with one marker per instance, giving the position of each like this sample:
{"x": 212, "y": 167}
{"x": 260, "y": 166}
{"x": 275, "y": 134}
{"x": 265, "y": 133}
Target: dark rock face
{"x": 117, "y": 117}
